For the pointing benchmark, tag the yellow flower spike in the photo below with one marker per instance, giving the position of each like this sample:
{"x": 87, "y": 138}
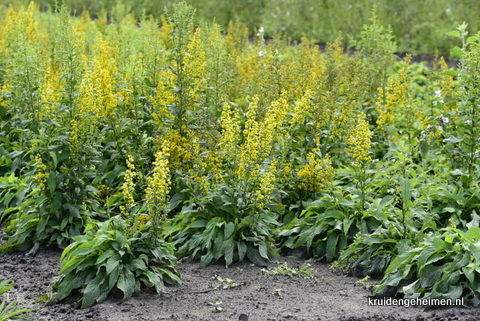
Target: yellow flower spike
{"x": 158, "y": 187}
{"x": 42, "y": 176}
{"x": 359, "y": 141}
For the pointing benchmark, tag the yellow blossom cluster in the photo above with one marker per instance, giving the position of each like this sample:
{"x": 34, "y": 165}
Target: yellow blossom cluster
{"x": 317, "y": 174}
{"x": 267, "y": 186}
{"x": 42, "y": 176}
{"x": 158, "y": 185}
{"x": 260, "y": 136}
{"x": 359, "y": 142}
{"x": 394, "y": 99}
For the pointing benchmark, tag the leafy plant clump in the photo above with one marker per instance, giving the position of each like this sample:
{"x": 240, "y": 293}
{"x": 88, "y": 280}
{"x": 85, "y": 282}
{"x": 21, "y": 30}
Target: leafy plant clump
{"x": 443, "y": 266}
{"x": 104, "y": 260}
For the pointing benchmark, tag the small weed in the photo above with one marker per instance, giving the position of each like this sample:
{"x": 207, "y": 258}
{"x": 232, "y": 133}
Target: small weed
{"x": 226, "y": 283}
{"x": 277, "y": 292}
{"x": 216, "y": 307}
{"x": 43, "y": 298}
{"x": 284, "y": 269}
{"x": 366, "y": 283}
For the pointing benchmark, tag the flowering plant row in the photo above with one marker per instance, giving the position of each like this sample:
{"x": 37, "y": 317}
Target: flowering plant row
{"x": 128, "y": 142}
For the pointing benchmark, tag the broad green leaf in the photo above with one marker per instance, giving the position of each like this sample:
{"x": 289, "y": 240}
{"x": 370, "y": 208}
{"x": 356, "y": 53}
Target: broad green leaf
{"x": 112, "y": 263}
{"x": 453, "y": 33}
{"x": 255, "y": 257}
{"x": 73, "y": 210}
{"x": 218, "y": 250}
{"x": 70, "y": 264}
{"x": 229, "y": 249}
{"x": 331, "y": 248}
{"x": 94, "y": 290}
{"x": 114, "y": 275}
{"x": 455, "y": 292}
{"x": 451, "y": 72}
{"x": 457, "y": 52}
{"x": 473, "y": 233}
{"x": 105, "y": 255}
{"x": 126, "y": 283}
{"x": 52, "y": 182}
{"x": 469, "y": 274}
{"x": 229, "y": 229}
{"x": 242, "y": 250}
{"x": 431, "y": 274}
{"x": 206, "y": 259}
{"x": 406, "y": 190}
{"x": 426, "y": 253}
{"x": 155, "y": 280}
{"x": 472, "y": 39}
{"x": 198, "y": 224}
{"x": 138, "y": 264}
{"x": 263, "y": 250}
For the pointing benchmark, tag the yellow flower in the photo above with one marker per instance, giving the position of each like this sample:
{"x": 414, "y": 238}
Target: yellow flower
{"x": 158, "y": 186}
{"x": 317, "y": 174}
{"x": 360, "y": 141}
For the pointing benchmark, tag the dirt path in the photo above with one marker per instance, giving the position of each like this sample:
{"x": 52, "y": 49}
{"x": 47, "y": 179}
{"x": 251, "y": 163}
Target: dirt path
{"x": 260, "y": 297}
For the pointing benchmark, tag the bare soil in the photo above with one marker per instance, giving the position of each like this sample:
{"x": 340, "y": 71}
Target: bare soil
{"x": 259, "y": 297}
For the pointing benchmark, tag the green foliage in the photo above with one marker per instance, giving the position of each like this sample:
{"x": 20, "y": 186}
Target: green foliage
{"x": 370, "y": 254}
{"x": 443, "y": 265}
{"x": 12, "y": 193}
{"x": 328, "y": 225}
{"x": 419, "y": 27}
{"x": 104, "y": 260}
{"x": 10, "y": 311}
{"x": 212, "y": 228}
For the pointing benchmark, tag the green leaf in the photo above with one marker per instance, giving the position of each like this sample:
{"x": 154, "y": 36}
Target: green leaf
{"x": 451, "y": 72}
{"x": 331, "y": 248}
{"x": 229, "y": 229}
{"x": 105, "y": 255}
{"x": 453, "y": 33}
{"x": 198, "y": 224}
{"x": 206, "y": 259}
{"x": 138, "y": 264}
{"x": 429, "y": 275}
{"x": 229, "y": 249}
{"x": 242, "y": 250}
{"x": 405, "y": 188}
{"x": 6, "y": 285}
{"x": 52, "y": 182}
{"x": 94, "y": 290}
{"x": 69, "y": 283}
{"x": 255, "y": 257}
{"x": 426, "y": 253}
{"x": 457, "y": 52}
{"x": 472, "y": 39}
{"x": 112, "y": 263}
{"x": 155, "y": 280}
{"x": 73, "y": 210}
{"x": 126, "y": 283}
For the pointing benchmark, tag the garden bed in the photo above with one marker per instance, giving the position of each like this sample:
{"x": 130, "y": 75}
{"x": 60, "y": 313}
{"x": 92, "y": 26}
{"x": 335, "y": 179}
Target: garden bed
{"x": 330, "y": 296}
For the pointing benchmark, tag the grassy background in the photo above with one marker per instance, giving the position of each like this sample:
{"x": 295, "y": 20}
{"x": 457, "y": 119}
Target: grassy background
{"x": 419, "y": 26}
